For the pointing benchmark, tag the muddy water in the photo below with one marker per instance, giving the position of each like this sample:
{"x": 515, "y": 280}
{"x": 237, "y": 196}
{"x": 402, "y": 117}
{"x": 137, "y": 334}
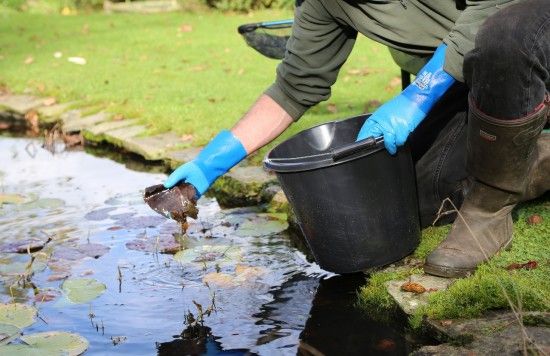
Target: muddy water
{"x": 267, "y": 296}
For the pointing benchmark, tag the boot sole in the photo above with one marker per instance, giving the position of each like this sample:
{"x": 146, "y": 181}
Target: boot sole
{"x": 453, "y": 272}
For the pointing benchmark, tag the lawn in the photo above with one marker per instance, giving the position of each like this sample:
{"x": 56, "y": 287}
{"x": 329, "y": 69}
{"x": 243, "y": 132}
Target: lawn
{"x": 190, "y": 73}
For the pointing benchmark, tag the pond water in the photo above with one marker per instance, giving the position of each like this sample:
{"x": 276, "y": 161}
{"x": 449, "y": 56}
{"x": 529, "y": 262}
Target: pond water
{"x": 259, "y": 294}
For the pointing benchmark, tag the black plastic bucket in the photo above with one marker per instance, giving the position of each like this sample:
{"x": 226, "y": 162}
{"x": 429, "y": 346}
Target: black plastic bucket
{"x": 355, "y": 203}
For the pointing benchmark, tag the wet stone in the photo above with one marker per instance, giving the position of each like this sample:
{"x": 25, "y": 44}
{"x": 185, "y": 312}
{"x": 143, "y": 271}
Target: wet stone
{"x": 496, "y": 333}
{"x": 78, "y": 125}
{"x": 52, "y": 113}
{"x": 179, "y": 157}
{"x": 153, "y": 148}
{"x": 242, "y": 186}
{"x": 409, "y": 301}
{"x": 20, "y": 104}
{"x": 103, "y": 127}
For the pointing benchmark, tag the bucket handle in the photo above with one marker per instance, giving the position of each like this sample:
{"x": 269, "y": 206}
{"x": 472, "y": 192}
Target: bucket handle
{"x": 348, "y": 150}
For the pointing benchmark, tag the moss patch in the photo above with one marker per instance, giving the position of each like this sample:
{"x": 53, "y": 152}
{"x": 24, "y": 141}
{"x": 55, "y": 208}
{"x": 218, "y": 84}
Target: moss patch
{"x": 492, "y": 286}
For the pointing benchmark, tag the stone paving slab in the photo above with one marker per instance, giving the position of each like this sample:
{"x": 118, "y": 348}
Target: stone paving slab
{"x": 20, "y": 104}
{"x": 179, "y": 157}
{"x": 409, "y": 301}
{"x": 79, "y": 124}
{"x": 242, "y": 186}
{"x": 106, "y": 126}
{"x": 153, "y": 148}
{"x": 495, "y": 333}
{"x": 52, "y": 113}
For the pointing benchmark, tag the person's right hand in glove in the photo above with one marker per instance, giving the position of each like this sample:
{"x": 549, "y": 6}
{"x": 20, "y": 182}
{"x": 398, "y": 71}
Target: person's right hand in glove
{"x": 262, "y": 123}
{"x": 216, "y": 158}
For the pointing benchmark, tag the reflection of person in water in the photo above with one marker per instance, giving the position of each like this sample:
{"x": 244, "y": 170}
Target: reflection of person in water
{"x": 322, "y": 312}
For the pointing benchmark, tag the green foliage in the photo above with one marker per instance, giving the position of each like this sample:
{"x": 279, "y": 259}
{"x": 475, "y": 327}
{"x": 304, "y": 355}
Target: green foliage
{"x": 431, "y": 237}
{"x": 247, "y": 5}
{"x": 374, "y": 297}
{"x": 191, "y": 83}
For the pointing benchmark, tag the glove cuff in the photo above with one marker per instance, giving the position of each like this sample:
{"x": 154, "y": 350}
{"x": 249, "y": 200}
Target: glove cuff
{"x": 220, "y": 155}
{"x": 430, "y": 83}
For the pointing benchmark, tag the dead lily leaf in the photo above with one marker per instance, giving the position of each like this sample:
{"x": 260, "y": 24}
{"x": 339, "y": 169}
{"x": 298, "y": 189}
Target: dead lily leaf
{"x": 413, "y": 287}
{"x": 32, "y": 122}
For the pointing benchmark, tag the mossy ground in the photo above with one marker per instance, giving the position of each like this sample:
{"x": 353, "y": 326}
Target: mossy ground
{"x": 492, "y": 286}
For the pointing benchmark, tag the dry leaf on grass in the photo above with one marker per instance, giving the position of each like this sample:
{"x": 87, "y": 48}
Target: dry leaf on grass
{"x": 331, "y": 107}
{"x": 49, "y": 101}
{"x": 29, "y": 60}
{"x": 534, "y": 219}
{"x": 527, "y": 265}
{"x": 185, "y": 28}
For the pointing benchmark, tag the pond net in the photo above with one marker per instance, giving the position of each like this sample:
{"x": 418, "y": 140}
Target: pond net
{"x": 268, "y": 38}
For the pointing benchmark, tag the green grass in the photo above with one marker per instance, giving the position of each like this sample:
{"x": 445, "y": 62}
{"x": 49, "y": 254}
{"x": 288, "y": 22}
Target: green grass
{"x": 143, "y": 66}
{"x": 470, "y": 297}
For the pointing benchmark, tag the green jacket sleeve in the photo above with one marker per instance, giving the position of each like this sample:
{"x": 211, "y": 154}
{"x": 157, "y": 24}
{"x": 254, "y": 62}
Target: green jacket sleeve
{"x": 317, "y": 49}
{"x": 460, "y": 39}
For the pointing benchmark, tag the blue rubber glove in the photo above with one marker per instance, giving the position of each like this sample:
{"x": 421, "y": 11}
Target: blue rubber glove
{"x": 220, "y": 155}
{"x": 397, "y": 118}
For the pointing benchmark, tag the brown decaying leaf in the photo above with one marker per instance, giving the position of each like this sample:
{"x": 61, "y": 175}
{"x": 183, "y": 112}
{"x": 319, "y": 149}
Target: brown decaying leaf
{"x": 4, "y": 125}
{"x": 118, "y": 117}
{"x": 534, "y": 219}
{"x": 331, "y": 107}
{"x": 29, "y": 60}
{"x": 185, "y": 28}
{"x": 413, "y": 287}
{"x": 371, "y": 105}
{"x": 46, "y": 296}
{"x": 187, "y": 137}
{"x": 527, "y": 265}
{"x": 49, "y": 101}
{"x": 73, "y": 140}
{"x": 385, "y": 345}
{"x": 32, "y": 122}
{"x": 393, "y": 84}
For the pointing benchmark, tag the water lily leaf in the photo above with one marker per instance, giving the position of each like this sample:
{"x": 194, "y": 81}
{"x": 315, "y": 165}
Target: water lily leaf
{"x": 51, "y": 343}
{"x": 160, "y": 244}
{"x": 11, "y": 199}
{"x": 82, "y": 290}
{"x": 19, "y": 268}
{"x": 262, "y": 225}
{"x": 8, "y": 333}
{"x": 46, "y": 203}
{"x": 218, "y": 254}
{"x": 17, "y": 314}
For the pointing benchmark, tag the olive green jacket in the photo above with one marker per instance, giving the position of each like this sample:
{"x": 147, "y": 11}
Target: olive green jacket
{"x": 324, "y": 32}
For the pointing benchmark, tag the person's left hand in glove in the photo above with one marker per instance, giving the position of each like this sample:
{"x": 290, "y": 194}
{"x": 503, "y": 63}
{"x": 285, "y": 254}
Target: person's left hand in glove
{"x": 397, "y": 118}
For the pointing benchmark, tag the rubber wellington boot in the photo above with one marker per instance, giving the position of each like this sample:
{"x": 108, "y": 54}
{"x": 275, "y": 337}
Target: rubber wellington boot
{"x": 539, "y": 179}
{"x": 500, "y": 159}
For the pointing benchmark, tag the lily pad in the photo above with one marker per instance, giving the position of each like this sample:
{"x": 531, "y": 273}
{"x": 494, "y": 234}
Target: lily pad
{"x": 19, "y": 268}
{"x": 17, "y": 314}
{"x": 263, "y": 225}
{"x": 31, "y": 245}
{"x": 48, "y": 343}
{"x": 93, "y": 250}
{"x": 8, "y": 333}
{"x": 46, "y": 203}
{"x": 82, "y": 290}
{"x": 11, "y": 199}
{"x": 162, "y": 244}
{"x": 217, "y": 254}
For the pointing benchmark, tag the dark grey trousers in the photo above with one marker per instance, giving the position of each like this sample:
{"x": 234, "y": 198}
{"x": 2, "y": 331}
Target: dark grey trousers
{"x": 507, "y": 77}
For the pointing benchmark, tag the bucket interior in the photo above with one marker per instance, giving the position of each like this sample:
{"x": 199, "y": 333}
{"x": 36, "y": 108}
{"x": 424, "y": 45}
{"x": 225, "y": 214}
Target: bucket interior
{"x": 319, "y": 139}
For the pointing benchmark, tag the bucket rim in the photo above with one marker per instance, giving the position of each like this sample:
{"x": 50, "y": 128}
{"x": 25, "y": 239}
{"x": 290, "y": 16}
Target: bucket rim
{"x": 315, "y": 161}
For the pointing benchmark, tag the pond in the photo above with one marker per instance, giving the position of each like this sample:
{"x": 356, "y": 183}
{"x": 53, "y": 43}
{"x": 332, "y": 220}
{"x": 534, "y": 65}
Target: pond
{"x": 239, "y": 286}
